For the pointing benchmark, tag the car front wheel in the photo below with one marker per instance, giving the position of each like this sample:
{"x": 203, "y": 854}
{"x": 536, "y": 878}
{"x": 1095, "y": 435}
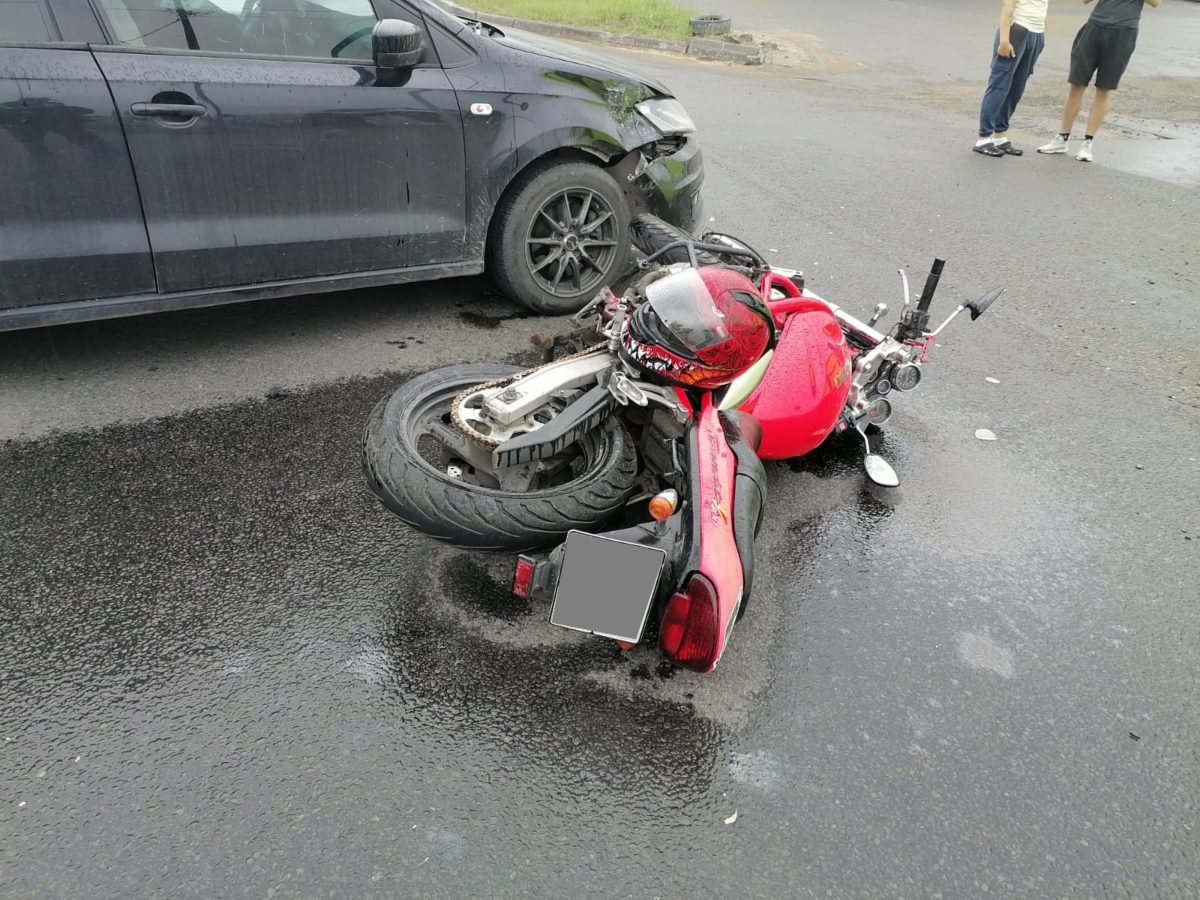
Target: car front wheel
{"x": 560, "y": 233}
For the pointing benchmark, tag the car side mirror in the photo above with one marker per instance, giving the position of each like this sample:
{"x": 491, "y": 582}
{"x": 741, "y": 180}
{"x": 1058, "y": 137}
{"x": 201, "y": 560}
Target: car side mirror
{"x": 396, "y": 44}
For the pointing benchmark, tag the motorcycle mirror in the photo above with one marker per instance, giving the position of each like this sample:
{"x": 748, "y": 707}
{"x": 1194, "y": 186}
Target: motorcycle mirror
{"x": 880, "y": 471}
{"x": 977, "y": 307}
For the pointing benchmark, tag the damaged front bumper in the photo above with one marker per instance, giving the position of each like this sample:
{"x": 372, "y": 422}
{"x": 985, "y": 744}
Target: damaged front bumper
{"x": 664, "y": 179}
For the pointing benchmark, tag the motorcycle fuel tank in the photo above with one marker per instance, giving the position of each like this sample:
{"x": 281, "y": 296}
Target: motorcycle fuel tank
{"x": 804, "y": 389}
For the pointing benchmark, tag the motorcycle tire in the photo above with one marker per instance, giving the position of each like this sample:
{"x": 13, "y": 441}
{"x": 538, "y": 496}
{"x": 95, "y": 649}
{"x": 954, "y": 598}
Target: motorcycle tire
{"x": 650, "y": 234}
{"x": 471, "y": 515}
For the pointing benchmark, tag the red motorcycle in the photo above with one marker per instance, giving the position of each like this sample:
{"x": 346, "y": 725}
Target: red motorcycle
{"x": 710, "y": 363}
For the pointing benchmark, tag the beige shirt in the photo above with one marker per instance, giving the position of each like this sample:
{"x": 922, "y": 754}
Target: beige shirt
{"x": 1031, "y": 14}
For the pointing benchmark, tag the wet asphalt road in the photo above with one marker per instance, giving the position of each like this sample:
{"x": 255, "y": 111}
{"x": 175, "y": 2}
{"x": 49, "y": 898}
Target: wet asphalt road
{"x": 227, "y": 672}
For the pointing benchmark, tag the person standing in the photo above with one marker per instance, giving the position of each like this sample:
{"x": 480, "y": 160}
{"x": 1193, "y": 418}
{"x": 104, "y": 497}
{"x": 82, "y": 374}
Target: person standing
{"x": 1019, "y": 42}
{"x": 1102, "y": 48}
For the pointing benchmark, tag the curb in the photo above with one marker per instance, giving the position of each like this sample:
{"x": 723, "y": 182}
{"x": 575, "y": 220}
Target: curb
{"x": 697, "y": 47}
{"x": 707, "y": 48}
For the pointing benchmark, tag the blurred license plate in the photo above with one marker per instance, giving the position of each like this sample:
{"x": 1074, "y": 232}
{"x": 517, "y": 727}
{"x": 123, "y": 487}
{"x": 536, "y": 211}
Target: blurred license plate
{"x": 606, "y": 587}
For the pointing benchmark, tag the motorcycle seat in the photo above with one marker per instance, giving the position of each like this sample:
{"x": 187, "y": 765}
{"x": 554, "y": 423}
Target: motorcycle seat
{"x": 749, "y": 426}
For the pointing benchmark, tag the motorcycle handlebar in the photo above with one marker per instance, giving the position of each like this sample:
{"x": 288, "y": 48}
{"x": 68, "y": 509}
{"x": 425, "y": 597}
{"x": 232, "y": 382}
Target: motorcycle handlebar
{"x": 693, "y": 246}
{"x": 857, "y": 329}
{"x": 931, "y": 284}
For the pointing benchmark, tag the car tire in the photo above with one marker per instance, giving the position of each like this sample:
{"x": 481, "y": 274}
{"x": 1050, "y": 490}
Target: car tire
{"x": 550, "y": 261}
{"x": 706, "y": 26}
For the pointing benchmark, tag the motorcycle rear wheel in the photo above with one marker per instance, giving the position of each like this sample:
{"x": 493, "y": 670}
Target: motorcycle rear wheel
{"x": 594, "y": 477}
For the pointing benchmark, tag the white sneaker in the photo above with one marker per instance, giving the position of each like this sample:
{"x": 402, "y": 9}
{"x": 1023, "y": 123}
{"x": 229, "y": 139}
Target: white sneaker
{"x": 1058, "y": 145}
{"x": 1085, "y": 152}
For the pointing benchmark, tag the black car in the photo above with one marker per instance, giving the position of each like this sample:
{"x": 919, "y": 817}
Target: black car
{"x": 163, "y": 154}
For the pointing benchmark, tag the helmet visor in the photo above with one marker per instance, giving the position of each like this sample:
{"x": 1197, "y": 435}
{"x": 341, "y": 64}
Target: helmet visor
{"x": 686, "y": 311}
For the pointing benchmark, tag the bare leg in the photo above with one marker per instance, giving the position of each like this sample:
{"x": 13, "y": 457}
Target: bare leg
{"x": 1000, "y": 135}
{"x": 1099, "y": 110}
{"x": 1071, "y": 107}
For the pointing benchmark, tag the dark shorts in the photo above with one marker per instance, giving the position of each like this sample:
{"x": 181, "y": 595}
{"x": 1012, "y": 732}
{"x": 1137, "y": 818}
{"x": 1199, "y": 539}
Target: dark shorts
{"x": 1101, "y": 51}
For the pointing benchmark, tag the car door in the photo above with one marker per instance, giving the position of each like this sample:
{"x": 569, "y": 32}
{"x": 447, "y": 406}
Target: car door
{"x": 268, "y": 147}
{"x": 71, "y": 226}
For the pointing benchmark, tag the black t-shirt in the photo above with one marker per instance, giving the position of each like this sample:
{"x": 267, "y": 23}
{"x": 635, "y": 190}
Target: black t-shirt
{"x": 1117, "y": 13}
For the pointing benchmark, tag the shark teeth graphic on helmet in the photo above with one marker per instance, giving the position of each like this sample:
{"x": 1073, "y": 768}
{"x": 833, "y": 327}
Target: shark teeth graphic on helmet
{"x": 644, "y": 357}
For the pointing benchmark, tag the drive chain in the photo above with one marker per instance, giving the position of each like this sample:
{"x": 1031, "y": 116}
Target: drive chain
{"x": 482, "y": 439}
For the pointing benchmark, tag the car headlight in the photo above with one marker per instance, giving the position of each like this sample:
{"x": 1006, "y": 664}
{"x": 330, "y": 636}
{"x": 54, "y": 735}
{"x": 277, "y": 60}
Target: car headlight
{"x": 667, "y": 115}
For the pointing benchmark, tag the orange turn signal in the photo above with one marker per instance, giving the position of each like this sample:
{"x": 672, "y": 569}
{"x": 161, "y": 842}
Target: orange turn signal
{"x": 662, "y": 505}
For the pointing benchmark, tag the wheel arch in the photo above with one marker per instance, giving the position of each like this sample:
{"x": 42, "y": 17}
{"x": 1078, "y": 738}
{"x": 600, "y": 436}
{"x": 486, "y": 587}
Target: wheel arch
{"x": 591, "y": 155}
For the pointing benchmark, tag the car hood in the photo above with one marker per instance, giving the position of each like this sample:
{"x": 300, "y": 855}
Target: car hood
{"x": 552, "y": 49}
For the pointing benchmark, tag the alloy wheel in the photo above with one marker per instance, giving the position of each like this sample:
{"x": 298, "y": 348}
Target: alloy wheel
{"x": 572, "y": 242}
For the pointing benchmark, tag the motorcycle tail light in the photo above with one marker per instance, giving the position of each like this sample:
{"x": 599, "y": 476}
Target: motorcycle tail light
{"x": 689, "y": 631}
{"x": 523, "y": 578}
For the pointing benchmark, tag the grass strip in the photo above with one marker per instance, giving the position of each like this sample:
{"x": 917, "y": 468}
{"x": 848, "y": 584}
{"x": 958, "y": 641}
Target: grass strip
{"x": 649, "y": 18}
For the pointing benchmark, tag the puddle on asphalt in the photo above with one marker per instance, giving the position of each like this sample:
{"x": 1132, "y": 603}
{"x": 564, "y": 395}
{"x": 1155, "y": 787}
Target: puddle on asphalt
{"x": 248, "y": 533}
{"x": 1172, "y": 159}
{"x": 491, "y": 310}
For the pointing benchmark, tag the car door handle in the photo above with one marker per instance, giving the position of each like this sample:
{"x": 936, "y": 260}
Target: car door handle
{"x": 180, "y": 110}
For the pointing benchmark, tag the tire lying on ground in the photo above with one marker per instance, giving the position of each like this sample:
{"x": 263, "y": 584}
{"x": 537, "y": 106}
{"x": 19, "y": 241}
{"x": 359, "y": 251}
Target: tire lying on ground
{"x": 704, "y": 26}
{"x": 433, "y": 501}
{"x": 560, "y": 233}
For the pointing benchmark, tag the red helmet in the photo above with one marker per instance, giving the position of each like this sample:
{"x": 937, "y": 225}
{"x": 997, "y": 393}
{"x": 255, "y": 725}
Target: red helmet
{"x": 698, "y": 328}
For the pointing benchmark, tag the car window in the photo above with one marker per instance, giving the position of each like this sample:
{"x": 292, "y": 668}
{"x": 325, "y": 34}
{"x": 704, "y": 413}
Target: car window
{"x": 23, "y": 20}
{"x": 328, "y": 29}
{"x": 450, "y": 50}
